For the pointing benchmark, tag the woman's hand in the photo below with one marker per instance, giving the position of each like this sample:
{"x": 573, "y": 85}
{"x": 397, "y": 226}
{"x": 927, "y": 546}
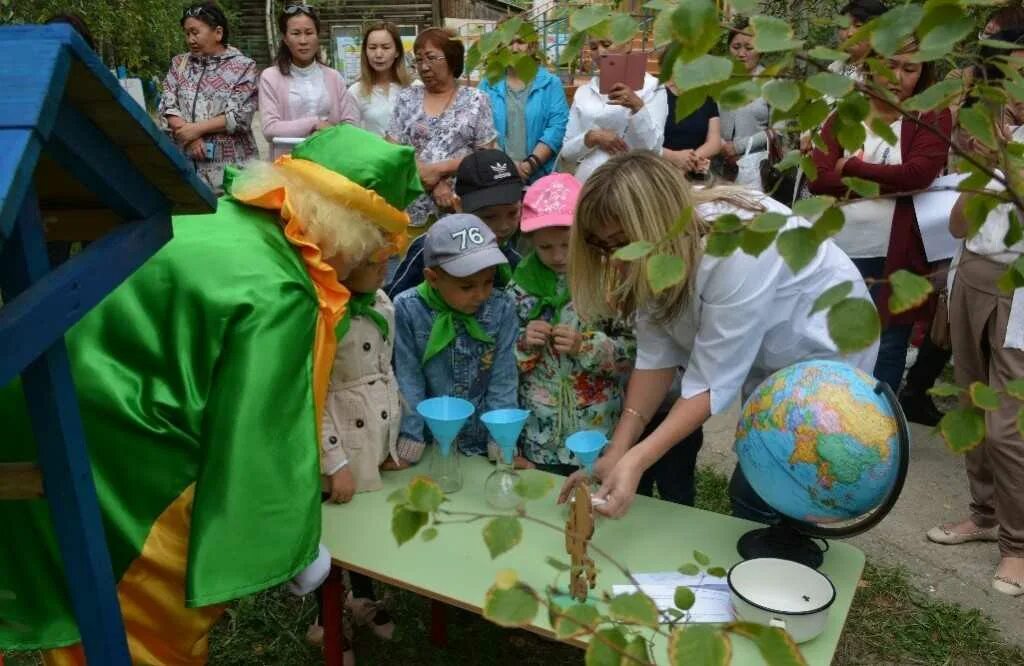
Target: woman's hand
{"x": 623, "y": 95}
{"x": 175, "y": 122}
{"x": 196, "y": 150}
{"x": 729, "y": 151}
{"x": 430, "y": 174}
{"x": 566, "y": 340}
{"x": 525, "y": 170}
{"x": 188, "y": 133}
{"x": 602, "y": 469}
{"x": 322, "y": 124}
{"x": 619, "y": 489}
{"x": 684, "y": 159}
{"x": 606, "y": 140}
{"x": 444, "y": 196}
{"x": 343, "y": 486}
{"x": 537, "y": 333}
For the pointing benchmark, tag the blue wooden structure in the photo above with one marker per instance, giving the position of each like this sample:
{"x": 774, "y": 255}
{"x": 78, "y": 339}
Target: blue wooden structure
{"x": 79, "y": 160}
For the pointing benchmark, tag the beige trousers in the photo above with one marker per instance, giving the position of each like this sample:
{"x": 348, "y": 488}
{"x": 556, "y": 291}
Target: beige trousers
{"x": 978, "y": 313}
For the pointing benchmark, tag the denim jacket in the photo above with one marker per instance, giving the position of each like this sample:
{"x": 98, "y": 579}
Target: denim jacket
{"x": 484, "y": 374}
{"x": 409, "y": 273}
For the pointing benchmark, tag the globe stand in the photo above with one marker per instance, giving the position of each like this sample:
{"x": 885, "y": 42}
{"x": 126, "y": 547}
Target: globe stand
{"x": 783, "y": 542}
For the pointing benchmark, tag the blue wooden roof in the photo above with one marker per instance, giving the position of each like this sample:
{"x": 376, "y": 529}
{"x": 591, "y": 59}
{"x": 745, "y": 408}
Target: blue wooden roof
{"x": 49, "y": 74}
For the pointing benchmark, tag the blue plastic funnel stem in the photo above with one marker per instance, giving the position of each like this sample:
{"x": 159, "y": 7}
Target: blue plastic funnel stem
{"x": 587, "y": 446}
{"x": 505, "y": 426}
{"x": 445, "y": 417}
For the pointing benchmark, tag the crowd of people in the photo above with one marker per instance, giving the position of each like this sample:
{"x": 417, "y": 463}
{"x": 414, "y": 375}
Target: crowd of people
{"x": 691, "y": 352}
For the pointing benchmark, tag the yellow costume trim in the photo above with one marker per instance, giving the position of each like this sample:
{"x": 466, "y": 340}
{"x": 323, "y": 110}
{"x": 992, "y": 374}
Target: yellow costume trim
{"x": 160, "y": 629}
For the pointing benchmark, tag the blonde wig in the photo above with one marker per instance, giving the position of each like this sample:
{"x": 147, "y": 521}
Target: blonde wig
{"x": 644, "y": 194}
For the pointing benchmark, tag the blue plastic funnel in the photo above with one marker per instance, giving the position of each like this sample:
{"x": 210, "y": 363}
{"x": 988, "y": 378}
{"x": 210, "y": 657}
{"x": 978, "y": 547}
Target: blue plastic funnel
{"x": 445, "y": 417}
{"x": 505, "y": 426}
{"x": 586, "y": 445}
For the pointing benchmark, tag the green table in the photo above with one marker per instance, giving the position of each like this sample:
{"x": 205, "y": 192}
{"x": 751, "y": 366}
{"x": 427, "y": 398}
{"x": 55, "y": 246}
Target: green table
{"x": 456, "y": 568}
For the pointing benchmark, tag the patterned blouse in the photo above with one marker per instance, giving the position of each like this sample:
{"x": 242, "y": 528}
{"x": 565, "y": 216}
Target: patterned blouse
{"x": 464, "y": 126}
{"x": 202, "y": 87}
{"x": 569, "y": 393}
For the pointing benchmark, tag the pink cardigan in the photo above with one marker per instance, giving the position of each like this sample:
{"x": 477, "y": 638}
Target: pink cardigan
{"x": 277, "y": 117}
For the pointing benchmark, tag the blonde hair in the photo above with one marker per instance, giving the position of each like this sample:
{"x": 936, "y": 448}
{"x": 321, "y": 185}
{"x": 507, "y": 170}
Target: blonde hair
{"x": 399, "y": 74}
{"x": 334, "y": 228}
{"x": 644, "y": 194}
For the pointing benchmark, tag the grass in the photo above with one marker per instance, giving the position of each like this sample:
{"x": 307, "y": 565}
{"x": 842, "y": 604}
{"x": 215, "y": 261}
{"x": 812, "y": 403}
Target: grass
{"x": 889, "y": 623}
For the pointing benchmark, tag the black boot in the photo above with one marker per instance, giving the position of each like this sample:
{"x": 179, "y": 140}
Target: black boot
{"x": 919, "y": 408}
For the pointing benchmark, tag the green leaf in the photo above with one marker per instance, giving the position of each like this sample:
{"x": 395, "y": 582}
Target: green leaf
{"x": 701, "y": 558}
{"x": 634, "y": 251}
{"x": 813, "y": 115}
{"x": 688, "y": 101}
{"x": 695, "y": 27}
{"x": 637, "y": 652}
{"x": 938, "y": 95}
{"x": 557, "y": 565}
{"x": 865, "y": 188}
{"x": 951, "y": 25}
{"x": 1014, "y": 231}
{"x": 572, "y": 50}
{"x": 587, "y": 17}
{"x": 502, "y": 534}
{"x": 425, "y": 495}
{"x": 634, "y": 608}
{"x": 983, "y": 397}
{"x": 766, "y": 222}
{"x": 1015, "y": 389}
{"x": 703, "y": 71}
{"x": 781, "y": 94}
{"x": 623, "y": 28}
{"x": 831, "y": 296}
{"x": 526, "y": 67}
{"x": 884, "y": 130}
{"x": 808, "y": 167}
{"x": 978, "y": 124}
{"x": 775, "y": 645}
{"x": 405, "y": 523}
{"x": 813, "y": 207}
{"x": 727, "y": 223}
{"x": 893, "y": 27}
{"x": 472, "y": 57}
{"x": 664, "y": 271}
{"x": 717, "y": 572}
{"x": 773, "y": 34}
{"x": 908, "y": 291}
{"x": 963, "y": 428}
{"x": 1020, "y": 421}
{"x": 851, "y": 136}
{"x": 600, "y": 651}
{"x": 689, "y": 569}
{"x": 833, "y": 85}
{"x": 699, "y": 644}
{"x": 945, "y": 390}
{"x": 754, "y": 242}
{"x": 853, "y": 324}
{"x": 797, "y": 247}
{"x": 739, "y": 95}
{"x": 682, "y": 223}
{"x": 827, "y": 54}
{"x": 533, "y": 485}
{"x": 722, "y": 244}
{"x": 575, "y": 621}
{"x": 429, "y": 534}
{"x": 684, "y": 598}
{"x": 829, "y": 224}
{"x": 853, "y": 109}
{"x": 513, "y": 607}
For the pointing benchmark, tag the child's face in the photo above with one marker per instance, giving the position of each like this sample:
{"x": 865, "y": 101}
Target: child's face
{"x": 552, "y": 246}
{"x": 503, "y": 219}
{"x": 367, "y": 278}
{"x": 464, "y": 294}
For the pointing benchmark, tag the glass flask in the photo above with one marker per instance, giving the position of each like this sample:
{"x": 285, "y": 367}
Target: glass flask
{"x": 444, "y": 468}
{"x": 499, "y": 488}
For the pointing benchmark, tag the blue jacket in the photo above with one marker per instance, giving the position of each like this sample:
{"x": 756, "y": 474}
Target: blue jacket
{"x": 547, "y": 113}
{"x": 409, "y": 273}
{"x": 486, "y": 375}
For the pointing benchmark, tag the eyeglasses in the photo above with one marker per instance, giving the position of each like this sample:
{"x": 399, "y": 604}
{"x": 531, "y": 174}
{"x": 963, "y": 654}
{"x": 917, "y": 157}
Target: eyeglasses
{"x": 292, "y": 10}
{"x": 429, "y": 61}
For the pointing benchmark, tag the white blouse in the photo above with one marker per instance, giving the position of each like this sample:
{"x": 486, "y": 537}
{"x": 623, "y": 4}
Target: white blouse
{"x": 307, "y": 92}
{"x": 644, "y": 129}
{"x": 376, "y": 107}
{"x": 749, "y": 317}
{"x": 869, "y": 223}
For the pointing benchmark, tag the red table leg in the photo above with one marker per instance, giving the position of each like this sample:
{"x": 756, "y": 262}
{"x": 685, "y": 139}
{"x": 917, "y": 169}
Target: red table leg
{"x": 332, "y": 592}
{"x": 438, "y": 624}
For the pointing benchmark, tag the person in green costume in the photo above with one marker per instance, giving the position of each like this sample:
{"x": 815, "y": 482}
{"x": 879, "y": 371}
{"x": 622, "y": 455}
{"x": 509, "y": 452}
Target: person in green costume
{"x": 201, "y": 382}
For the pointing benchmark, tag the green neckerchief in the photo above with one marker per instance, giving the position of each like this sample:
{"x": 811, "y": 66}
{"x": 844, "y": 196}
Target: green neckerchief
{"x": 442, "y": 333}
{"x": 538, "y": 280}
{"x": 361, "y": 305}
{"x": 504, "y": 274}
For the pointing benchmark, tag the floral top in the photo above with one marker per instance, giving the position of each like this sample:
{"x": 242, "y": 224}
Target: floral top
{"x": 202, "y": 87}
{"x": 464, "y": 126}
{"x": 569, "y": 393}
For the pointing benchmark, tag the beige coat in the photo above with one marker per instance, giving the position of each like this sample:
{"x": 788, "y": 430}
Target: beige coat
{"x": 363, "y": 414}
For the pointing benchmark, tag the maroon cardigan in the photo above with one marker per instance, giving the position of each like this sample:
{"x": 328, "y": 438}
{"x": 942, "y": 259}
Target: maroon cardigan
{"x": 923, "y": 156}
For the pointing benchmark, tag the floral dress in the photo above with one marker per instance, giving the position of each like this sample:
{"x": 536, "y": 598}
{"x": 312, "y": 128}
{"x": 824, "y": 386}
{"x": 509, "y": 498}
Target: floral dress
{"x": 569, "y": 393}
{"x": 203, "y": 87}
{"x": 463, "y": 127}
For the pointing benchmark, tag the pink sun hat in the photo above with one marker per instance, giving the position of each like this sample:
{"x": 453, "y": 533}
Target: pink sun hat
{"x": 550, "y": 202}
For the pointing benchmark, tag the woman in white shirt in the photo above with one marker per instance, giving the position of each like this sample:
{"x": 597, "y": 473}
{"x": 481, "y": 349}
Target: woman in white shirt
{"x": 601, "y": 126}
{"x": 987, "y": 330}
{"x": 728, "y": 325}
{"x": 382, "y": 76}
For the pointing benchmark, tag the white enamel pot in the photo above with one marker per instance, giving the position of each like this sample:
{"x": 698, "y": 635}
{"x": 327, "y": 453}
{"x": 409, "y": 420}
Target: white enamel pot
{"x": 781, "y": 593}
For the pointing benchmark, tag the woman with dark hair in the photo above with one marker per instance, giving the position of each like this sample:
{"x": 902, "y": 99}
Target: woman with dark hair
{"x": 298, "y": 94}
{"x": 382, "y": 76}
{"x": 209, "y": 96}
{"x": 881, "y": 235}
{"x": 744, "y": 129}
{"x": 442, "y": 120}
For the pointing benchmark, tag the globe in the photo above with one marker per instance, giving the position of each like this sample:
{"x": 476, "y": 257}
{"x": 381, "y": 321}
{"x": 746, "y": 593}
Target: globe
{"x": 824, "y": 444}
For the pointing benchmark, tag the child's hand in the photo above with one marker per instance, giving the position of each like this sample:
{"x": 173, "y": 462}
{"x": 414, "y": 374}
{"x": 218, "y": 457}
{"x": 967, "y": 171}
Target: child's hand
{"x": 343, "y": 486}
{"x": 393, "y": 465}
{"x": 567, "y": 340}
{"x": 520, "y": 462}
{"x": 537, "y": 333}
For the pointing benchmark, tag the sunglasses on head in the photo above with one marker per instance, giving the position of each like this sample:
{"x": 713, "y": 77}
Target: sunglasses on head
{"x": 193, "y": 12}
{"x": 303, "y": 8}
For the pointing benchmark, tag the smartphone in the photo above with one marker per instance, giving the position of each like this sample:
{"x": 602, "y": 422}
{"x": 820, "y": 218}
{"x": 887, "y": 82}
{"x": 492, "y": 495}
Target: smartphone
{"x": 628, "y": 68}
